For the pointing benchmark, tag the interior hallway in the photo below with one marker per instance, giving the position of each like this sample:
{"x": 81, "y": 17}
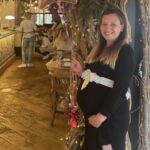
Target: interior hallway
{"x": 25, "y": 111}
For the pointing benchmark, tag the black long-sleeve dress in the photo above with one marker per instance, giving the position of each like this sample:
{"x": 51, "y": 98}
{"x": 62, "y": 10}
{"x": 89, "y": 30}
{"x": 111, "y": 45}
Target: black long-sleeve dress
{"x": 111, "y": 102}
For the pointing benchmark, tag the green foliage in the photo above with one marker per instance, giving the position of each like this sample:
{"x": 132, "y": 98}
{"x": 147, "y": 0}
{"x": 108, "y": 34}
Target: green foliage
{"x": 93, "y": 8}
{"x": 88, "y": 8}
{"x": 112, "y": 4}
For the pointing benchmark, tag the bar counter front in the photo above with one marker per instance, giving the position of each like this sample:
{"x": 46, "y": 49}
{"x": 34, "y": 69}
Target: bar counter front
{"x": 7, "y": 54}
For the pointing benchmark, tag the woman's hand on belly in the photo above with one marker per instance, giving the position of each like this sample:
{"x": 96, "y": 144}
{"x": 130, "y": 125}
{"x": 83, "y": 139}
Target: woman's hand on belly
{"x": 97, "y": 120}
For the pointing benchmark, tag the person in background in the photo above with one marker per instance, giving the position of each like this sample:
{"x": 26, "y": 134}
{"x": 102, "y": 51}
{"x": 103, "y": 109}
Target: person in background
{"x": 27, "y": 27}
{"x": 43, "y": 45}
{"x": 62, "y": 43}
{"x": 56, "y": 8}
{"x": 104, "y": 83}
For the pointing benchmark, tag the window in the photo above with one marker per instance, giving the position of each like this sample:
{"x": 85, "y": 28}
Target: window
{"x": 43, "y": 18}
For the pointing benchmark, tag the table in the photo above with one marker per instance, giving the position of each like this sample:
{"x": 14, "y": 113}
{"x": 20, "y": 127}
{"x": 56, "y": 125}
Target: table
{"x": 60, "y": 81}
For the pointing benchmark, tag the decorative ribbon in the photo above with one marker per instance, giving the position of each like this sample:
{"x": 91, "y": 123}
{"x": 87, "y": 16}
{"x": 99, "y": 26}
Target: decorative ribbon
{"x": 89, "y": 76}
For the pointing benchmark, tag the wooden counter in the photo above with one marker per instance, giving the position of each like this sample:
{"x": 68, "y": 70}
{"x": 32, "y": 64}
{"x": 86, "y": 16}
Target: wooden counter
{"x": 7, "y": 54}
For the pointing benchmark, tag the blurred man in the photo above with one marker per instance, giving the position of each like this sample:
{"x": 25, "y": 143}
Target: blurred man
{"x": 27, "y": 27}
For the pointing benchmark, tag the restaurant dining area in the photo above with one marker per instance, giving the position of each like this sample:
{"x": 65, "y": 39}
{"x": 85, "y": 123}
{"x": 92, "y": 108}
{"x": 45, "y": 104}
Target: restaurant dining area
{"x": 53, "y": 67}
{"x": 26, "y": 110}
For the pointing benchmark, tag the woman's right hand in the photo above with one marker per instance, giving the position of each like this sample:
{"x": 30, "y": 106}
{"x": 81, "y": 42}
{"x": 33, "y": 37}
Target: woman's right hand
{"x": 76, "y": 67}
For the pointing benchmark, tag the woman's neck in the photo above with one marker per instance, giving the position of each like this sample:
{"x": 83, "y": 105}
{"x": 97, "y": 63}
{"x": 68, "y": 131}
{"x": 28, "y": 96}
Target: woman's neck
{"x": 109, "y": 43}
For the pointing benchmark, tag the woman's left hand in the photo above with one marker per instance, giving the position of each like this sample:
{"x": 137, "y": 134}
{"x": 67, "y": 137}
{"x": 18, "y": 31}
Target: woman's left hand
{"x": 97, "y": 120}
{"x": 76, "y": 67}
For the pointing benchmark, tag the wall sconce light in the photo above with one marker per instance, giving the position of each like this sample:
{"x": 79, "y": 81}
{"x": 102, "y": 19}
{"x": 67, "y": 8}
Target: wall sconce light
{"x": 10, "y": 19}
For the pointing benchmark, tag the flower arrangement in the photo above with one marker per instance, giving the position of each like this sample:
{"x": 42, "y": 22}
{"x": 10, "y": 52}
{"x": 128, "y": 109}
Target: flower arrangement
{"x": 74, "y": 115}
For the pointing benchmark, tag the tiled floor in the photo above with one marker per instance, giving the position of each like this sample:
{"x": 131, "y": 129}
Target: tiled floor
{"x": 25, "y": 111}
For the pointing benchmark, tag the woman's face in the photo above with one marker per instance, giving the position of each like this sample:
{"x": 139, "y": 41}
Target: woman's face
{"x": 110, "y": 28}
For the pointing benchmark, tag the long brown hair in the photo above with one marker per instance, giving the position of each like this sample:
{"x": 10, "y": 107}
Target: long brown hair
{"x": 108, "y": 55}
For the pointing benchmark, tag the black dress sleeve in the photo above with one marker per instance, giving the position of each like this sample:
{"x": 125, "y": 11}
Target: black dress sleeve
{"x": 123, "y": 72}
